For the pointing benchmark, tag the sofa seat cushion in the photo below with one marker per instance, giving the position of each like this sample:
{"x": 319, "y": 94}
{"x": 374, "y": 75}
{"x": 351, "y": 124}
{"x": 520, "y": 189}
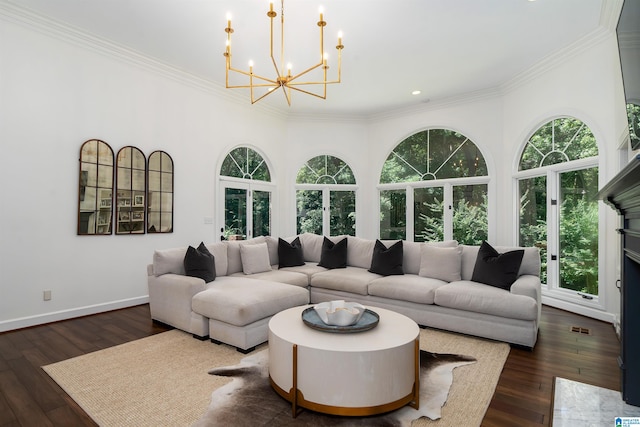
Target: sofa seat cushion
{"x": 350, "y": 279}
{"x": 309, "y": 268}
{"x": 409, "y": 287}
{"x": 276, "y": 275}
{"x": 477, "y": 297}
{"x": 240, "y": 301}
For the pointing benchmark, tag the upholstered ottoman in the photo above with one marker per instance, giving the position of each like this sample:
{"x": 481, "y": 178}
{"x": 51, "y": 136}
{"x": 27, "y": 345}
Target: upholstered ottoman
{"x": 239, "y": 309}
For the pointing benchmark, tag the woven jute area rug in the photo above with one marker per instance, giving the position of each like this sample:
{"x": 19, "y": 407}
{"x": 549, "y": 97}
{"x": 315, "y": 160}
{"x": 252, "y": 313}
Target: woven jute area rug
{"x": 163, "y": 380}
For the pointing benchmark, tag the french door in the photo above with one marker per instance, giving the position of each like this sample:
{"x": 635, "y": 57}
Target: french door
{"x": 247, "y": 211}
{"x": 559, "y": 215}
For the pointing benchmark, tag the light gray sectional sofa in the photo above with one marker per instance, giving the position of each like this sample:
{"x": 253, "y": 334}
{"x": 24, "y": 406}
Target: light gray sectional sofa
{"x": 435, "y": 290}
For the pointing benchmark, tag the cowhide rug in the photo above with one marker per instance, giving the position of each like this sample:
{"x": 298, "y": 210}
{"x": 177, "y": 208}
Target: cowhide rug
{"x": 250, "y": 401}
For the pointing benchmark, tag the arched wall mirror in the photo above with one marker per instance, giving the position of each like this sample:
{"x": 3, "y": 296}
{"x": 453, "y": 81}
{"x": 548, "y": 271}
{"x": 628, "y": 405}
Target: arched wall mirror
{"x": 131, "y": 187}
{"x": 95, "y": 207}
{"x": 160, "y": 193}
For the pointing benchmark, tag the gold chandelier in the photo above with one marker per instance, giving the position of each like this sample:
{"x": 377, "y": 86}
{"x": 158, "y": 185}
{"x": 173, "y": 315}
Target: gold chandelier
{"x": 284, "y": 78}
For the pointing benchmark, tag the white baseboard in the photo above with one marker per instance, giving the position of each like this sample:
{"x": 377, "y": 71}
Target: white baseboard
{"x": 580, "y": 309}
{"x": 39, "y": 319}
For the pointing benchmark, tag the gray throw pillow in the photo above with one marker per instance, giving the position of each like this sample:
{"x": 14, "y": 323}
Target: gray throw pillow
{"x": 255, "y": 258}
{"x": 441, "y": 263}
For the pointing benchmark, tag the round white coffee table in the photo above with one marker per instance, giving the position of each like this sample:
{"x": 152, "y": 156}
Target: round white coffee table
{"x": 355, "y": 374}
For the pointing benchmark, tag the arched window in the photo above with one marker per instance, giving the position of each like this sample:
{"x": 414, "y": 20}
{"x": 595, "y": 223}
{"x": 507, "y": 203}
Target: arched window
{"x": 246, "y": 163}
{"x": 131, "y": 187}
{"x": 433, "y": 186}
{"x": 558, "y": 210}
{"x": 160, "y": 193}
{"x": 246, "y": 185}
{"x": 326, "y": 197}
{"x": 95, "y": 207}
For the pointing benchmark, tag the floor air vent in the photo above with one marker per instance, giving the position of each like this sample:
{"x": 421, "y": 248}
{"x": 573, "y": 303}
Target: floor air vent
{"x": 580, "y": 330}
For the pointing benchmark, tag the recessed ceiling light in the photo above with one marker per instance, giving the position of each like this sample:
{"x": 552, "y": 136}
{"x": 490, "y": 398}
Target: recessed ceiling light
{"x": 416, "y": 92}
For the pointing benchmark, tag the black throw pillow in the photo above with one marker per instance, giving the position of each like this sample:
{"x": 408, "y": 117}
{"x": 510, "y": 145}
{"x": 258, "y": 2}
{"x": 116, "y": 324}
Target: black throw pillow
{"x": 290, "y": 254}
{"x": 387, "y": 261}
{"x": 496, "y": 269}
{"x": 200, "y": 263}
{"x": 334, "y": 255}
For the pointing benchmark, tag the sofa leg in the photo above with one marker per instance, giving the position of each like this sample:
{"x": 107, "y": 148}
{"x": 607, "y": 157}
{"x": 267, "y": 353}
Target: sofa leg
{"x": 216, "y": 341}
{"x": 249, "y": 350}
{"x": 198, "y": 337}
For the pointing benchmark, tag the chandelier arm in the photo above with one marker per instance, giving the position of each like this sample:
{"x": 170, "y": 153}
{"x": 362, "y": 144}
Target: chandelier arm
{"x": 263, "y": 96}
{"x": 329, "y": 82}
{"x": 306, "y": 71}
{"x": 256, "y": 76}
{"x": 287, "y": 95}
{"x": 282, "y": 67}
{"x": 306, "y": 91}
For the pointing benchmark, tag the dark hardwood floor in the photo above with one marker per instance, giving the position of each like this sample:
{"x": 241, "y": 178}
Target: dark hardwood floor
{"x": 28, "y": 397}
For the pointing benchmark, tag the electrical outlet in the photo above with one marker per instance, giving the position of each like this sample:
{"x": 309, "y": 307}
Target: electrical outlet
{"x": 46, "y": 295}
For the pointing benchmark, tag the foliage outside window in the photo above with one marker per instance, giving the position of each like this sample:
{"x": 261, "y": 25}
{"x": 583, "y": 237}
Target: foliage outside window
{"x": 433, "y": 154}
{"x": 336, "y": 211}
{"x": 560, "y": 140}
{"x": 243, "y": 162}
{"x": 547, "y": 158}
{"x": 247, "y": 205}
{"x": 429, "y": 160}
{"x": 633, "y": 116}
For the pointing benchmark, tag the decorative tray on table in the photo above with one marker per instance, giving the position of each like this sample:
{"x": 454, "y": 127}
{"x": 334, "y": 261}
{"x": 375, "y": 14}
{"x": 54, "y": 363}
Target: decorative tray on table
{"x": 367, "y": 320}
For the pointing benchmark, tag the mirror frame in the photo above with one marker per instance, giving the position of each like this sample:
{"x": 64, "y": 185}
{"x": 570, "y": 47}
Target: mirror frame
{"x": 131, "y": 184}
{"x": 96, "y": 167}
{"x": 162, "y": 190}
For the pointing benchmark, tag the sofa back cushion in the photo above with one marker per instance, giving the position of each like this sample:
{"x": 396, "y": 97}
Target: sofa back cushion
{"x": 359, "y": 252}
{"x": 311, "y": 246}
{"x": 530, "y": 261}
{"x": 219, "y": 251}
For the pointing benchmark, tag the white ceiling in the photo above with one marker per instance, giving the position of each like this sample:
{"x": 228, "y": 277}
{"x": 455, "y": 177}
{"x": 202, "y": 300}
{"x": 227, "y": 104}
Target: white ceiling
{"x": 445, "y": 48}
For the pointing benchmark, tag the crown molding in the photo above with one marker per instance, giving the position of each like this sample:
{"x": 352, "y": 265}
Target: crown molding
{"x": 452, "y": 101}
{"x": 557, "y": 58}
{"x": 24, "y": 17}
{"x": 610, "y": 13}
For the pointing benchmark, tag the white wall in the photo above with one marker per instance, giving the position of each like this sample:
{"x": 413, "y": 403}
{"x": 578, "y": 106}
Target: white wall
{"x": 56, "y": 94}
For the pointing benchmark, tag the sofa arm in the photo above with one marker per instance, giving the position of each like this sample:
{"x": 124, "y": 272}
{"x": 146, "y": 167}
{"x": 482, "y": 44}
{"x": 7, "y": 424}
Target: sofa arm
{"x": 530, "y": 286}
{"x": 170, "y": 298}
